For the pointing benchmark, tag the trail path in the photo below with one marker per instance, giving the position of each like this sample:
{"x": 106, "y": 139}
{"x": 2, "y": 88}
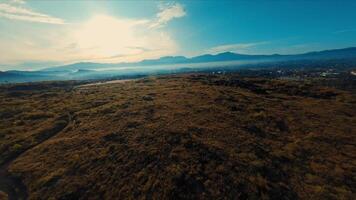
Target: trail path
{"x": 13, "y": 186}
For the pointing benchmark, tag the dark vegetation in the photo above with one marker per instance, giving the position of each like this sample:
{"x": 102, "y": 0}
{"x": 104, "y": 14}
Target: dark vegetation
{"x": 198, "y": 136}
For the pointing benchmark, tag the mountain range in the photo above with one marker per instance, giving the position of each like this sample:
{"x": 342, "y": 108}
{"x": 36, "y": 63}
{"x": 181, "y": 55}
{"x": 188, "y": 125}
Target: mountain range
{"x": 226, "y": 56}
{"x": 90, "y": 70}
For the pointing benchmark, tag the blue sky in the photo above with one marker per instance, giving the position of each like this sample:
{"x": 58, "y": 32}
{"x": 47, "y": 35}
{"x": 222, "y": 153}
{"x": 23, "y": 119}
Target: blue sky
{"x": 42, "y": 33}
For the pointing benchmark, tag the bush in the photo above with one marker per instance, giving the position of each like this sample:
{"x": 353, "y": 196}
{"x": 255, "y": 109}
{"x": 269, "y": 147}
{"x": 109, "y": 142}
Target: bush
{"x": 17, "y": 147}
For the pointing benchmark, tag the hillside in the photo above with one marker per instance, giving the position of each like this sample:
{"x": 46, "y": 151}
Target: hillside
{"x": 179, "y": 136}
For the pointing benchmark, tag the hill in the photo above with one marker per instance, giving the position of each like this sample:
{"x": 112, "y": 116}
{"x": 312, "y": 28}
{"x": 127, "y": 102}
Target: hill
{"x": 182, "y": 137}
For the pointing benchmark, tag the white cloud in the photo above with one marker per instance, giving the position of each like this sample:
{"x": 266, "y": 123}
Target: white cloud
{"x": 344, "y": 31}
{"x": 18, "y": 1}
{"x": 102, "y": 38}
{"x": 16, "y": 12}
{"x": 237, "y": 47}
{"x": 105, "y": 37}
{"x": 167, "y": 13}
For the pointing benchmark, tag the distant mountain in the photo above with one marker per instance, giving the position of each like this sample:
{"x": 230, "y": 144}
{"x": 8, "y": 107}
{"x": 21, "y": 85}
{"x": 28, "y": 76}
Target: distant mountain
{"x": 168, "y": 64}
{"x": 24, "y": 76}
{"x": 330, "y": 54}
{"x": 77, "y": 66}
{"x": 13, "y": 76}
{"x": 165, "y": 60}
{"x": 226, "y": 56}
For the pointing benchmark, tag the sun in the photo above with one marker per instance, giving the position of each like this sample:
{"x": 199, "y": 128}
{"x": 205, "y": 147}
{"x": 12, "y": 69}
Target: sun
{"x": 104, "y": 36}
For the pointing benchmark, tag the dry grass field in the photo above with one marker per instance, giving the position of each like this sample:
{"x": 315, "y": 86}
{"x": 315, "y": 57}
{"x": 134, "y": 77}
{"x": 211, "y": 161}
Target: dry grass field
{"x": 178, "y": 137}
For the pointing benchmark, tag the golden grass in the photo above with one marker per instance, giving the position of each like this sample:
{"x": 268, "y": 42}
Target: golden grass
{"x": 187, "y": 136}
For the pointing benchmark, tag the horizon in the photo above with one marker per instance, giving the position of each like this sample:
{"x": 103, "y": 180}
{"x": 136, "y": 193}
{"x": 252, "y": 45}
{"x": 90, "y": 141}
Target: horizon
{"x": 169, "y": 56}
{"x": 184, "y": 99}
{"x": 40, "y": 34}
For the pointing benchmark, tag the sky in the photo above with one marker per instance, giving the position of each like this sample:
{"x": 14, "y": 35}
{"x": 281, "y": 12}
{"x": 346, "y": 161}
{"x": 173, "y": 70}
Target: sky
{"x": 41, "y": 33}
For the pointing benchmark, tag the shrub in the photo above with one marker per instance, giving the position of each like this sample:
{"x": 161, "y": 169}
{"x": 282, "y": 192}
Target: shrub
{"x": 17, "y": 147}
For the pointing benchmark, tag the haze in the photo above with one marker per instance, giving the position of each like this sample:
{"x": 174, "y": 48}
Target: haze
{"x": 40, "y": 34}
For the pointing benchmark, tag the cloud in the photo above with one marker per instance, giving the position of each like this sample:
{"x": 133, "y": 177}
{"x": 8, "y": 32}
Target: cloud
{"x": 102, "y": 38}
{"x": 167, "y": 13}
{"x": 18, "y": 1}
{"x": 344, "y": 31}
{"x": 237, "y": 47}
{"x": 15, "y": 12}
{"x": 106, "y": 36}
